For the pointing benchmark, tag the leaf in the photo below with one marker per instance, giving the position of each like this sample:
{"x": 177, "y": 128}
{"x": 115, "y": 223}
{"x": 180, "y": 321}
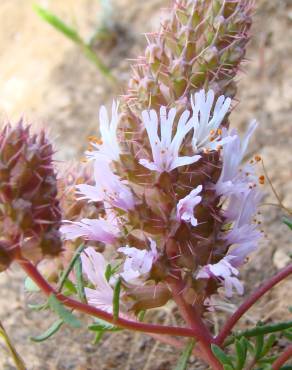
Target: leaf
{"x": 69, "y": 268}
{"x": 269, "y": 344}
{"x": 49, "y": 332}
{"x": 69, "y": 285}
{"x": 58, "y": 24}
{"x": 287, "y": 221}
{"x": 101, "y": 325}
{"x": 38, "y": 307}
{"x": 288, "y": 334}
{"x": 241, "y": 351}
{"x": 64, "y": 314}
{"x": 98, "y": 337}
{"x": 116, "y": 299}
{"x": 30, "y": 285}
{"x": 79, "y": 280}
{"x": 259, "y": 346}
{"x": 221, "y": 356}
{"x": 184, "y": 357}
{"x": 20, "y": 365}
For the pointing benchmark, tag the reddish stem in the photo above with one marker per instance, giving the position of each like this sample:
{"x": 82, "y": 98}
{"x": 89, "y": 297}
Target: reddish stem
{"x": 47, "y": 289}
{"x": 245, "y": 306}
{"x": 192, "y": 318}
{"x": 285, "y": 356}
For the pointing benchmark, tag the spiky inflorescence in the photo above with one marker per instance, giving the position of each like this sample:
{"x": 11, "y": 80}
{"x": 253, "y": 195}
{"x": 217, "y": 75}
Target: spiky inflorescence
{"x": 29, "y": 214}
{"x": 200, "y": 45}
{"x": 171, "y": 179}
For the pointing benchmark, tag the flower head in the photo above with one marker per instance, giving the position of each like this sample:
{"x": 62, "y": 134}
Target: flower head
{"x": 94, "y": 267}
{"x": 107, "y": 147}
{"x": 165, "y": 150}
{"x": 225, "y": 272}
{"x": 185, "y": 207}
{"x": 206, "y": 128}
{"x": 138, "y": 262}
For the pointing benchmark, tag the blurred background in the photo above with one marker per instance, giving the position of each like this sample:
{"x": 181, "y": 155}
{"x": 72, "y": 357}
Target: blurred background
{"x": 46, "y": 78}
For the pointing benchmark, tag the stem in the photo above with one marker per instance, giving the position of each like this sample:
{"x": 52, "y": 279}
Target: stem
{"x": 47, "y": 289}
{"x": 193, "y": 319}
{"x": 245, "y": 306}
{"x": 260, "y": 330}
{"x": 285, "y": 356}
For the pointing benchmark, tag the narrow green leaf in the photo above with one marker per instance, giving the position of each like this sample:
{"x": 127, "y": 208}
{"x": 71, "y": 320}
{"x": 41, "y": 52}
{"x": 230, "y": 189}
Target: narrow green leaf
{"x": 19, "y": 363}
{"x": 79, "y": 280}
{"x": 241, "y": 351}
{"x": 116, "y": 299}
{"x": 141, "y": 315}
{"x": 49, "y": 332}
{"x": 259, "y": 330}
{"x": 64, "y": 314}
{"x": 70, "y": 287}
{"x": 269, "y": 344}
{"x": 221, "y": 356}
{"x": 69, "y": 268}
{"x": 288, "y": 222}
{"x": 101, "y": 325}
{"x": 108, "y": 272}
{"x": 98, "y": 337}
{"x": 184, "y": 357}
{"x": 30, "y": 286}
{"x": 259, "y": 346}
{"x": 288, "y": 334}
{"x": 58, "y": 24}
{"x": 228, "y": 367}
{"x": 38, "y": 307}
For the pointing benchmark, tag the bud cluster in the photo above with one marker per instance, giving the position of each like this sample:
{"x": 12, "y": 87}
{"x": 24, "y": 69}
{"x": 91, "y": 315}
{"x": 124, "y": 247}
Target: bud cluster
{"x": 29, "y": 210}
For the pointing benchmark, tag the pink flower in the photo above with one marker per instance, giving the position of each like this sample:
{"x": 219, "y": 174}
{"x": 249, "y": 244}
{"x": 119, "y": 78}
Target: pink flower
{"x": 222, "y": 271}
{"x": 108, "y": 148}
{"x": 185, "y": 207}
{"x": 108, "y": 188}
{"x": 138, "y": 262}
{"x": 91, "y": 229}
{"x": 231, "y": 179}
{"x": 94, "y": 267}
{"x": 206, "y": 127}
{"x": 165, "y": 150}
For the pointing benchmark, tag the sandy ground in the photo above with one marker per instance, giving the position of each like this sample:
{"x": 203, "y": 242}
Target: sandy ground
{"x": 46, "y": 79}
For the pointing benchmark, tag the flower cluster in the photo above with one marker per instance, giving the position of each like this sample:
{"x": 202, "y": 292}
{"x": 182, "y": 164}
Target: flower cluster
{"x": 30, "y": 214}
{"x": 182, "y": 205}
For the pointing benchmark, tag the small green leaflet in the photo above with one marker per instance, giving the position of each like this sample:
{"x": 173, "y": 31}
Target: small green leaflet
{"x": 58, "y": 24}
{"x": 116, "y": 299}
{"x": 30, "y": 285}
{"x": 222, "y": 357}
{"x": 20, "y": 365}
{"x": 64, "y": 314}
{"x": 101, "y": 325}
{"x": 287, "y": 221}
{"x": 79, "y": 280}
{"x": 49, "y": 332}
{"x": 183, "y": 360}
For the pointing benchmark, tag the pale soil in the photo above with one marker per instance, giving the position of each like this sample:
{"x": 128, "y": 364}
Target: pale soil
{"x": 45, "y": 78}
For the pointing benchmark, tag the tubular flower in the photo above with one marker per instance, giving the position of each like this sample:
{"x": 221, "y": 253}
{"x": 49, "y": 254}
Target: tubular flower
{"x": 108, "y": 188}
{"x": 99, "y": 230}
{"x": 107, "y": 146}
{"x": 138, "y": 262}
{"x": 94, "y": 267}
{"x": 206, "y": 135}
{"x": 185, "y": 207}
{"x": 225, "y": 272}
{"x": 165, "y": 150}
